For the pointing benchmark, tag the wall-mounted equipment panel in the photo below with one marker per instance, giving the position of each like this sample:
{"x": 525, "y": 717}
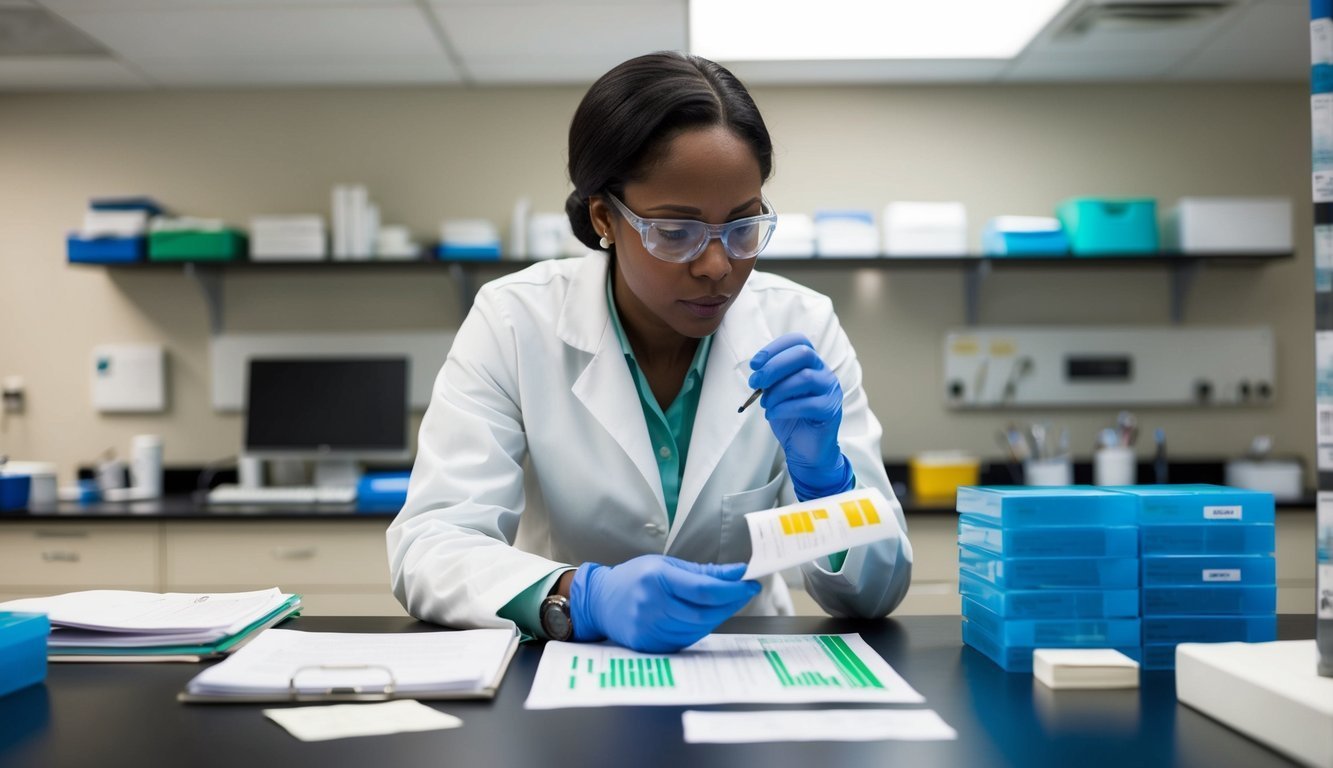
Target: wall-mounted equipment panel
{"x": 1148, "y": 366}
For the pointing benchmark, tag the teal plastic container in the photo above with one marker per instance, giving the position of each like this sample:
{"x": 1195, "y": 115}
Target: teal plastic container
{"x": 1017, "y": 506}
{"x": 1053, "y": 633}
{"x": 1050, "y": 572}
{"x": 1048, "y": 541}
{"x": 1199, "y": 504}
{"x": 1017, "y": 658}
{"x": 1105, "y": 227}
{"x": 1051, "y": 603}
{"x": 22, "y": 650}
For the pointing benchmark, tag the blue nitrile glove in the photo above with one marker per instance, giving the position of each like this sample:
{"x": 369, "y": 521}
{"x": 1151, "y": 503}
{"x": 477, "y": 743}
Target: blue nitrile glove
{"x": 802, "y": 401}
{"x": 654, "y": 603}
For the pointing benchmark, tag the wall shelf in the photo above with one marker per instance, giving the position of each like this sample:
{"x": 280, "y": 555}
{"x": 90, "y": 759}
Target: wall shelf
{"x": 1183, "y": 270}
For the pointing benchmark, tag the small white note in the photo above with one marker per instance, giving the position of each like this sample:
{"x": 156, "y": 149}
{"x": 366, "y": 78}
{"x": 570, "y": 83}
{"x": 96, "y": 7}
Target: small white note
{"x": 340, "y": 721}
{"x": 798, "y": 533}
{"x": 815, "y": 725}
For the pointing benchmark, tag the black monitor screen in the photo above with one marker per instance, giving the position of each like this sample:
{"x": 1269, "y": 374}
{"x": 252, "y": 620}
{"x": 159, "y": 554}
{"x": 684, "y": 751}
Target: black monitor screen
{"x": 321, "y": 405}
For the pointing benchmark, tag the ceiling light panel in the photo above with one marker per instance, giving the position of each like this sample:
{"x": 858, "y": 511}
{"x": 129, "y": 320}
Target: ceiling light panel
{"x": 767, "y": 30}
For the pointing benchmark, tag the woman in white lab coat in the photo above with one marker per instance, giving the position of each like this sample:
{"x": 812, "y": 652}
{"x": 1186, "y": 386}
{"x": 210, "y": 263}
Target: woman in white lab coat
{"x": 582, "y": 470}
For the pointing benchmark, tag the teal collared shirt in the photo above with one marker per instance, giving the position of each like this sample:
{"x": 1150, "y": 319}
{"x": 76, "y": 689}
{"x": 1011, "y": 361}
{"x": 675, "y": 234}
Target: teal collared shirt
{"x": 669, "y": 432}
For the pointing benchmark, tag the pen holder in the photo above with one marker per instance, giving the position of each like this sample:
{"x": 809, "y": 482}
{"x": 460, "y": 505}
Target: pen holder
{"x": 1114, "y": 465}
{"x": 1058, "y": 471}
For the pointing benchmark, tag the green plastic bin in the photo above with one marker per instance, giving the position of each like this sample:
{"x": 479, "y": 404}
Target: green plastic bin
{"x": 220, "y": 245}
{"x": 1105, "y": 227}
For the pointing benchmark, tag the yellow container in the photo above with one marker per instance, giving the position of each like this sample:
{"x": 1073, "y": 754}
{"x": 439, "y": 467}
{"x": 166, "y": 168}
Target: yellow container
{"x": 936, "y": 475}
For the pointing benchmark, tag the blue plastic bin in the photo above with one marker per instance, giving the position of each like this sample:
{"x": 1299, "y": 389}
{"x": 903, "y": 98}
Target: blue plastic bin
{"x": 1210, "y": 601}
{"x": 1199, "y": 504}
{"x": 14, "y": 491}
{"x": 105, "y": 250}
{"x": 1044, "y": 633}
{"x": 1209, "y": 629}
{"x": 1017, "y": 658}
{"x": 22, "y": 650}
{"x": 1233, "y": 539}
{"x": 1103, "y": 227}
{"x": 382, "y": 491}
{"x": 1049, "y": 541}
{"x": 1051, "y": 603}
{"x": 1050, "y": 572}
{"x": 1022, "y": 506}
{"x": 447, "y": 252}
{"x": 1187, "y": 570}
{"x": 998, "y": 242}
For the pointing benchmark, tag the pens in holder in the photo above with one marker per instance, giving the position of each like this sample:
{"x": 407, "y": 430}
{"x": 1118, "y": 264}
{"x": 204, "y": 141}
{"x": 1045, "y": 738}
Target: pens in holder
{"x": 753, "y": 396}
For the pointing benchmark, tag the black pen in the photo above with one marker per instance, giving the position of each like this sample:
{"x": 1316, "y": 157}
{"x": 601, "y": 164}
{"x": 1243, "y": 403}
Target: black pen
{"x": 753, "y": 396}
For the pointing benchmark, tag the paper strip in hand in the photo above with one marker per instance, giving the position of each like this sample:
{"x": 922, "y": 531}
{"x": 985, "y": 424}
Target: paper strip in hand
{"x": 799, "y": 533}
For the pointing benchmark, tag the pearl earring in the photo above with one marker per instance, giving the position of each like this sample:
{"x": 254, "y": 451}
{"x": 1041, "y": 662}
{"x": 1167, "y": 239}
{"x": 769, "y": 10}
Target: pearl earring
{"x": 604, "y": 243}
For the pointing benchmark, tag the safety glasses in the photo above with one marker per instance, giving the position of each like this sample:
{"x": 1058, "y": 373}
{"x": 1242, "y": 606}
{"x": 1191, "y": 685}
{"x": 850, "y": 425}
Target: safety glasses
{"x": 682, "y": 240}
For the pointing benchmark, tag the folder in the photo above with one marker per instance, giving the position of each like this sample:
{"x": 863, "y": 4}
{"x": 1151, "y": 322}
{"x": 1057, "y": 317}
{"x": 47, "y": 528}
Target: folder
{"x": 287, "y": 666}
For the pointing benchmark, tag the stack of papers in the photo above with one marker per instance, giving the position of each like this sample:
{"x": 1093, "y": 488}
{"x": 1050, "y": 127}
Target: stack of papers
{"x": 289, "y": 665}
{"x": 1084, "y": 668}
{"x": 115, "y": 625}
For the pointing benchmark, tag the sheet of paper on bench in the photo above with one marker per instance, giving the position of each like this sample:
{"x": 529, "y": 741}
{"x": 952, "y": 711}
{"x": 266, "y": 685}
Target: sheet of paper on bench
{"x": 798, "y": 533}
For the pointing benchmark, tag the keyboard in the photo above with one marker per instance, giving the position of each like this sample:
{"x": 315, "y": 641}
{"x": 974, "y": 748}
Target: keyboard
{"x": 234, "y": 494}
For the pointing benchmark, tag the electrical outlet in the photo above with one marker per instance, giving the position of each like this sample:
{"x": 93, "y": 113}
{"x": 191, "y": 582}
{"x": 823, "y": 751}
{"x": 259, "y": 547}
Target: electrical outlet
{"x": 12, "y": 395}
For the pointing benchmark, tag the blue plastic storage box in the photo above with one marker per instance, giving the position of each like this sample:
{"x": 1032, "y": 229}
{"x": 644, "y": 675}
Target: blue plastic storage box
{"x": 1199, "y": 504}
{"x": 1236, "y": 538}
{"x": 1050, "y": 572}
{"x": 105, "y": 250}
{"x": 996, "y": 240}
{"x": 1022, "y": 506}
{"x": 22, "y": 650}
{"x": 1187, "y": 570}
{"x": 449, "y": 252}
{"x": 1051, "y": 603}
{"x": 382, "y": 491}
{"x": 1053, "y": 541}
{"x": 1209, "y": 629}
{"x": 1015, "y": 658}
{"x": 1210, "y": 601}
{"x": 1044, "y": 633}
{"x": 14, "y": 491}
{"x": 1103, "y": 227}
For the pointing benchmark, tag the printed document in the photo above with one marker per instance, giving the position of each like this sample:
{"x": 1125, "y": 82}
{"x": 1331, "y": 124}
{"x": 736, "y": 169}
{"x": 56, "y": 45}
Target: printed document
{"x": 815, "y": 725}
{"x": 719, "y": 669}
{"x": 798, "y": 533}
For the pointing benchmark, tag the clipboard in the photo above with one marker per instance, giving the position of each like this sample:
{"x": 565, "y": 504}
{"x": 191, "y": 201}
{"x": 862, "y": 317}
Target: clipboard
{"x": 385, "y": 688}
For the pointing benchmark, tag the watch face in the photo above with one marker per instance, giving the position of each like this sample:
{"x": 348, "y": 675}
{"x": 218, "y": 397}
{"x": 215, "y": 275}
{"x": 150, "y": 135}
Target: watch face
{"x": 555, "y": 620}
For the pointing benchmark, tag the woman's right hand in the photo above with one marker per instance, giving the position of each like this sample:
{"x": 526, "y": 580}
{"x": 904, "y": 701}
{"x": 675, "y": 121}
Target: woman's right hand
{"x": 655, "y": 603}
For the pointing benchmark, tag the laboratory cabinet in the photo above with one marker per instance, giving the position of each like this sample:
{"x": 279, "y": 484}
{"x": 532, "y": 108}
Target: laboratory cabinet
{"x": 338, "y": 564}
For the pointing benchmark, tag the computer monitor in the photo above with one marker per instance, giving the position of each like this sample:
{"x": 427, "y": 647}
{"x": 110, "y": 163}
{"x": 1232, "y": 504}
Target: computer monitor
{"x": 335, "y": 411}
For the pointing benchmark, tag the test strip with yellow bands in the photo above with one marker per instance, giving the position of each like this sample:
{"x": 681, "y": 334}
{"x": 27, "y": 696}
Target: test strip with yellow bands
{"x": 797, "y": 533}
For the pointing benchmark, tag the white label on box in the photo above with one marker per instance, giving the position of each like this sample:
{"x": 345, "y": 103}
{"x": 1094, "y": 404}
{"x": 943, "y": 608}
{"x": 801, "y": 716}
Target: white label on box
{"x": 1322, "y": 186}
{"x": 1321, "y": 41}
{"x": 1321, "y": 135}
{"x": 1323, "y": 258}
{"x": 1324, "y": 457}
{"x": 1222, "y": 513}
{"x": 1324, "y": 422}
{"x": 1221, "y": 574}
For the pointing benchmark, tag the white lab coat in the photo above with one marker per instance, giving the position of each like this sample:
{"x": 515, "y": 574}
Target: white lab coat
{"x": 536, "y": 378}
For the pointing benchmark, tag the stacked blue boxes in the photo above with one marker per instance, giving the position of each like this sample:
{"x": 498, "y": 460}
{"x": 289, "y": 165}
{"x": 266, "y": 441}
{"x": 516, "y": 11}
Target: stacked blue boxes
{"x": 1208, "y": 569}
{"x": 1047, "y": 568}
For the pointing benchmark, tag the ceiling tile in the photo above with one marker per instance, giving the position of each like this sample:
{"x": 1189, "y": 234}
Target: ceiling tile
{"x": 551, "y": 42}
{"x": 884, "y": 71}
{"x": 1270, "y": 42}
{"x": 262, "y": 32}
{"x": 312, "y": 70}
{"x": 48, "y": 73}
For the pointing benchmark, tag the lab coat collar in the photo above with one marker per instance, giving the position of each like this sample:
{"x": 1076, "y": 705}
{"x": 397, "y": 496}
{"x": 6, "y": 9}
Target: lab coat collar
{"x": 605, "y": 387}
{"x": 726, "y": 385}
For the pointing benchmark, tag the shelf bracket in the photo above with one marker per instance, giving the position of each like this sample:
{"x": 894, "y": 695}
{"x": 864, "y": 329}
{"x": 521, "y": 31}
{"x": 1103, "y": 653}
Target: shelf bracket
{"x": 210, "y": 284}
{"x": 973, "y": 277}
{"x": 467, "y": 287}
{"x": 1182, "y": 278}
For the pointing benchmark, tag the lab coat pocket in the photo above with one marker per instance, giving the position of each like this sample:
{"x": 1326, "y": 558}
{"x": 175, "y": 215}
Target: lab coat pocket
{"x": 735, "y": 544}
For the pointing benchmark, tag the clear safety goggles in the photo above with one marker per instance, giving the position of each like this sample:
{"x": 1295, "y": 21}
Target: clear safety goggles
{"x": 682, "y": 240}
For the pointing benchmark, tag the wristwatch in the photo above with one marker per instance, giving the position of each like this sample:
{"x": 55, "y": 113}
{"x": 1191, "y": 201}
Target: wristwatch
{"x": 556, "y": 622}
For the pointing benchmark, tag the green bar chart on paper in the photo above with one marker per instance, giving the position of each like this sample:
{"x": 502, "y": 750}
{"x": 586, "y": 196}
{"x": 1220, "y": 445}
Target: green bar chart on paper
{"x": 720, "y": 668}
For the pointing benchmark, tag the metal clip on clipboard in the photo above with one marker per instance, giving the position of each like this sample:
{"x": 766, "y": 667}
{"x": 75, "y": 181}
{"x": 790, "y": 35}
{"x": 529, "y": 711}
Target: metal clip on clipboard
{"x": 384, "y": 692}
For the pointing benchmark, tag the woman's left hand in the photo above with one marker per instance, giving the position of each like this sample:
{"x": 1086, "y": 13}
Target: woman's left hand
{"x": 802, "y": 401}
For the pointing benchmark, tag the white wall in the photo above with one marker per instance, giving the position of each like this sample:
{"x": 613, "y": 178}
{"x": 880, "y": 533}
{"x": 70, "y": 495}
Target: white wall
{"x": 431, "y": 153}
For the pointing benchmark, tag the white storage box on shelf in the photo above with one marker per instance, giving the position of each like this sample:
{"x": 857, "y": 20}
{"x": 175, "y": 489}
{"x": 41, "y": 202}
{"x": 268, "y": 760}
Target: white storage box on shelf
{"x": 793, "y": 237}
{"x": 925, "y": 229}
{"x": 1241, "y": 225}
{"x": 846, "y": 233}
{"x": 288, "y": 238}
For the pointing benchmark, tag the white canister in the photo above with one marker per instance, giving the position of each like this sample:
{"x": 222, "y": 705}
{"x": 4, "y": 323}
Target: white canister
{"x": 1048, "y": 472}
{"x": 1114, "y": 465}
{"x": 42, "y": 490}
{"x": 146, "y": 466}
